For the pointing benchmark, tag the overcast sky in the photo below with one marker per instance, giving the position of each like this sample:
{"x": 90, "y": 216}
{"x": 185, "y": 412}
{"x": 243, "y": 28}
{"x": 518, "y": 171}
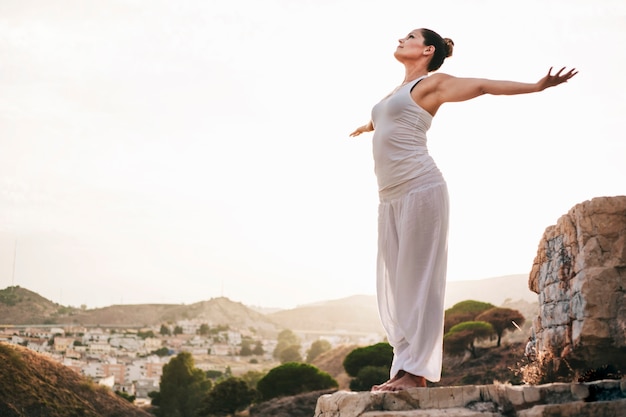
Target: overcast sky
{"x": 175, "y": 151}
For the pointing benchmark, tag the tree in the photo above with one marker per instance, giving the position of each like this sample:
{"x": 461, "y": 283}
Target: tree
{"x": 227, "y": 397}
{"x": 290, "y": 354}
{"x": 145, "y": 334}
{"x": 182, "y": 388}
{"x": 317, "y": 348}
{"x": 126, "y": 396}
{"x": 501, "y": 319}
{"x": 286, "y": 340}
{"x": 252, "y": 378}
{"x": 214, "y": 374}
{"x": 177, "y": 330}
{"x": 379, "y": 354}
{"x": 165, "y": 331}
{"x": 161, "y": 352}
{"x": 464, "y": 311}
{"x": 293, "y": 378}
{"x": 245, "y": 348}
{"x": 258, "y": 348}
{"x": 462, "y": 337}
{"x": 204, "y": 329}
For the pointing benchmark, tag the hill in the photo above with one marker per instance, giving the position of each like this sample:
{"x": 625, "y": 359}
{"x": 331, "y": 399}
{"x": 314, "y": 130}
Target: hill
{"x": 21, "y": 306}
{"x": 33, "y": 385}
{"x": 496, "y": 290}
{"x": 357, "y": 314}
{"x": 215, "y": 311}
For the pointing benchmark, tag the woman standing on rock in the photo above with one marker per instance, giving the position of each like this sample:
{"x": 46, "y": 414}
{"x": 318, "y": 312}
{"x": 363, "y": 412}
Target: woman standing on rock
{"x": 413, "y": 209}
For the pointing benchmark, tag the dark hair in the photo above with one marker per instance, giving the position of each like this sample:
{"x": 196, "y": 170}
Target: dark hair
{"x": 443, "y": 48}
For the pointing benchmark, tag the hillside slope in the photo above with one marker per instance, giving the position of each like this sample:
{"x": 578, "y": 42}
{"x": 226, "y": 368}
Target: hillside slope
{"x": 216, "y": 311}
{"x": 354, "y": 314}
{"x": 358, "y": 313}
{"x": 21, "y": 306}
{"x": 33, "y": 385}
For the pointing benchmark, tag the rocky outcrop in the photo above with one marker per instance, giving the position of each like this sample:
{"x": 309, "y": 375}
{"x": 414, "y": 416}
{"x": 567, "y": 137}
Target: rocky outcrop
{"x": 580, "y": 275}
{"x": 595, "y": 399}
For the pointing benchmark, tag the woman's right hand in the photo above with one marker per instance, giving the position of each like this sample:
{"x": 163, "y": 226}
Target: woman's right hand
{"x": 362, "y": 129}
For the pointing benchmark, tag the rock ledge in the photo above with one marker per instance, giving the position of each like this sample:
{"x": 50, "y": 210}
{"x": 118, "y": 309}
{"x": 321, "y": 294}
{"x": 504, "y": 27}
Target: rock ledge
{"x": 605, "y": 398}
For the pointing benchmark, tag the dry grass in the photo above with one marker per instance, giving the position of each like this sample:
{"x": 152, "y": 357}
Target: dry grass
{"x": 32, "y": 385}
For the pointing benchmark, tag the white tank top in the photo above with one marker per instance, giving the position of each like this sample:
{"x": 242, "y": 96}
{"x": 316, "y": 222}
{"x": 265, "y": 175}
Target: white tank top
{"x": 399, "y": 142}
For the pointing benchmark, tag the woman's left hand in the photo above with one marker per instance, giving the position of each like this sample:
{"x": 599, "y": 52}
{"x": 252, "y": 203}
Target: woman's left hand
{"x": 552, "y": 80}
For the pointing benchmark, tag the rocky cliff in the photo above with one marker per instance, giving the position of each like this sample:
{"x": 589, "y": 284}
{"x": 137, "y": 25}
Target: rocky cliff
{"x": 579, "y": 274}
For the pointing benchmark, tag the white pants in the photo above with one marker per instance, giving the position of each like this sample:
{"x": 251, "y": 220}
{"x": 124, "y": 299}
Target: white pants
{"x": 411, "y": 273}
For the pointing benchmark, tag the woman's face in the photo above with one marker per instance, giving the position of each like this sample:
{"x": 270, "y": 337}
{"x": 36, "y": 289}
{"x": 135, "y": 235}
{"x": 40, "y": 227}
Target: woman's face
{"x": 411, "y": 46}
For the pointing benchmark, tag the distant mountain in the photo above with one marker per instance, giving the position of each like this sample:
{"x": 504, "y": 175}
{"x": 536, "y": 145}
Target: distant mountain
{"x": 355, "y": 314}
{"x": 32, "y": 384}
{"x": 360, "y": 312}
{"x": 214, "y": 312}
{"x": 494, "y": 290}
{"x": 21, "y": 306}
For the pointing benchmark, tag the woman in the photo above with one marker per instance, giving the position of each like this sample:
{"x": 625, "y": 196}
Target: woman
{"x": 413, "y": 210}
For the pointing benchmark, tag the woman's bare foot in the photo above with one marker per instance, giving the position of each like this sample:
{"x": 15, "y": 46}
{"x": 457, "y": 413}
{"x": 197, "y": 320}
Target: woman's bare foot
{"x": 404, "y": 382}
{"x": 381, "y": 387}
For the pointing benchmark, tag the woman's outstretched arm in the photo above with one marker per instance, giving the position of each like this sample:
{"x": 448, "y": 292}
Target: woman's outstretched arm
{"x": 451, "y": 89}
{"x": 362, "y": 129}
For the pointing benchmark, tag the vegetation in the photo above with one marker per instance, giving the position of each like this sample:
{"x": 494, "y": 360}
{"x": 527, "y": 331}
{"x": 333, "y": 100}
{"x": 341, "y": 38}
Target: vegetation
{"x": 252, "y": 378}
{"x": 248, "y": 350}
{"x": 462, "y": 337}
{"x": 368, "y": 376}
{"x": 204, "y": 329}
{"x": 501, "y": 319}
{"x": 161, "y": 352}
{"x": 34, "y": 385}
{"x": 379, "y": 355}
{"x": 464, "y": 311}
{"x": 9, "y": 296}
{"x": 290, "y": 354}
{"x": 293, "y": 378}
{"x": 182, "y": 388}
{"x": 227, "y": 397}
{"x": 145, "y": 334}
{"x": 165, "y": 330}
{"x": 317, "y": 348}
{"x": 368, "y": 366}
{"x": 288, "y": 347}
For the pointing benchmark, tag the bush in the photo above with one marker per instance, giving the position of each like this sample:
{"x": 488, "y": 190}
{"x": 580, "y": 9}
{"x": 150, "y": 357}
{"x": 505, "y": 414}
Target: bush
{"x": 378, "y": 355}
{"x": 462, "y": 336}
{"x": 293, "y": 378}
{"x": 227, "y": 397}
{"x": 317, "y": 348}
{"x": 464, "y": 311}
{"x": 369, "y": 376}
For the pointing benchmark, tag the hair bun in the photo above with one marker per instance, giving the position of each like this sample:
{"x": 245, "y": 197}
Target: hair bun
{"x": 449, "y": 46}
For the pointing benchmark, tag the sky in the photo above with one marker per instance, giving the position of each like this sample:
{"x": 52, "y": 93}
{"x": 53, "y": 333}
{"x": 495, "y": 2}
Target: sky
{"x": 159, "y": 151}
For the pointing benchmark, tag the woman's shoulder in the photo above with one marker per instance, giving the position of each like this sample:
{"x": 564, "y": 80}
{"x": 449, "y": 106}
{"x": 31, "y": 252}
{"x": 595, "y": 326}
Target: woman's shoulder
{"x": 439, "y": 76}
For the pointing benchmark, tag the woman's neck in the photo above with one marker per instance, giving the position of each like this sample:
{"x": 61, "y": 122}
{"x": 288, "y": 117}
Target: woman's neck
{"x": 414, "y": 72}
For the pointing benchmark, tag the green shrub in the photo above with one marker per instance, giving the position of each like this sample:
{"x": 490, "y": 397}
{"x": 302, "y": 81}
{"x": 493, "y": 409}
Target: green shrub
{"x": 227, "y": 397}
{"x": 369, "y": 376}
{"x": 293, "y": 378}
{"x": 378, "y": 355}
